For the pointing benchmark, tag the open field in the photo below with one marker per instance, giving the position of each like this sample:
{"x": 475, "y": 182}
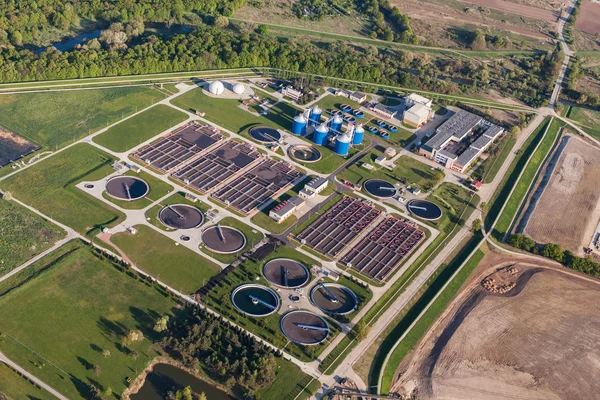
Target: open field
{"x": 488, "y": 345}
{"x": 157, "y": 255}
{"x": 138, "y": 129}
{"x": 522, "y": 185}
{"x": 49, "y": 186}
{"x": 518, "y": 9}
{"x": 14, "y": 386}
{"x": 76, "y": 306}
{"x": 56, "y": 118}
{"x": 23, "y": 235}
{"x": 588, "y": 18}
{"x": 158, "y": 189}
{"x": 567, "y": 210}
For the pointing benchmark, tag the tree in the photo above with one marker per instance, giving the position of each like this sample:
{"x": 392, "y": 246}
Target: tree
{"x": 161, "y": 324}
{"x": 516, "y": 241}
{"x": 106, "y": 353}
{"x": 478, "y": 41}
{"x": 263, "y": 29}
{"x": 97, "y": 370}
{"x": 16, "y": 38}
{"x": 553, "y": 251}
{"x": 221, "y": 21}
{"x": 528, "y": 244}
{"x": 476, "y": 227}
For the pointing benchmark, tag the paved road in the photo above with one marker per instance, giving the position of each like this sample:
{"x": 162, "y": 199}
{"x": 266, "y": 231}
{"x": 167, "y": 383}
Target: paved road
{"x": 31, "y": 377}
{"x": 568, "y": 53}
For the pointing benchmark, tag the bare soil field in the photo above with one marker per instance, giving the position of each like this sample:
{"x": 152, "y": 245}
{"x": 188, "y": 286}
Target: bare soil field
{"x": 516, "y": 345}
{"x": 568, "y": 209}
{"x": 589, "y": 18}
{"x": 13, "y": 146}
{"x": 554, "y": 5}
{"x": 519, "y": 9}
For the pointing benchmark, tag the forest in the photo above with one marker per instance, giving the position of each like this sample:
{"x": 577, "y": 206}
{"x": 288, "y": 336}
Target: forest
{"x": 227, "y": 355}
{"x": 210, "y": 47}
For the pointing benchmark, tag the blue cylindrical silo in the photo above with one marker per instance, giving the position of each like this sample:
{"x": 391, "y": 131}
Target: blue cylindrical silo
{"x": 315, "y": 116}
{"x": 359, "y": 132}
{"x": 342, "y": 144}
{"x": 336, "y": 124}
{"x": 299, "y": 125}
{"x": 320, "y": 135}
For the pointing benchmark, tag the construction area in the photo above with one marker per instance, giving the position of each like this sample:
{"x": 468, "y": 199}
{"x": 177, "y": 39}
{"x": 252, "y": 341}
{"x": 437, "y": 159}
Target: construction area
{"x": 333, "y": 231}
{"x": 486, "y": 345}
{"x": 566, "y": 204}
{"x": 175, "y": 149}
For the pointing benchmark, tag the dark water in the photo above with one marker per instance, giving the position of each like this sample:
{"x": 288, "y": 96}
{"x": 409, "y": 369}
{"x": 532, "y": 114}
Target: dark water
{"x": 70, "y": 44}
{"x": 242, "y": 300}
{"x": 165, "y": 378}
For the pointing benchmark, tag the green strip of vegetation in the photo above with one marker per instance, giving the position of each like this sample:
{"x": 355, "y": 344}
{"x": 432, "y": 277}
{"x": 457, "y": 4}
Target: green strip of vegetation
{"x": 522, "y": 186}
{"x": 140, "y": 128}
{"x": 49, "y": 186}
{"x": 498, "y": 161}
{"x": 434, "y": 311}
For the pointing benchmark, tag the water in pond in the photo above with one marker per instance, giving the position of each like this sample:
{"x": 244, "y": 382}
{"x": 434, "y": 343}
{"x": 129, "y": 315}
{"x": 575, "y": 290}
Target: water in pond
{"x": 165, "y": 378}
{"x": 70, "y": 44}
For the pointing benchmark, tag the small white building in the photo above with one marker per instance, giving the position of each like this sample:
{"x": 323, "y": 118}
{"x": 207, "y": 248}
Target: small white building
{"x": 417, "y": 115}
{"x": 358, "y": 97}
{"x": 286, "y": 209}
{"x": 383, "y": 111}
{"x": 380, "y": 160}
{"x": 291, "y": 93}
{"x": 367, "y": 166}
{"x": 390, "y": 152}
{"x": 191, "y": 197}
{"x": 414, "y": 98}
{"x": 314, "y": 187}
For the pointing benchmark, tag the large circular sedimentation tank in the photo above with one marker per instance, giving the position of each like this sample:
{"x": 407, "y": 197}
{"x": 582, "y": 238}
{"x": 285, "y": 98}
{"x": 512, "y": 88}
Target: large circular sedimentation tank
{"x": 264, "y": 134}
{"x": 304, "y": 153}
{"x": 180, "y": 216}
{"x": 223, "y": 239}
{"x": 424, "y": 209}
{"x": 380, "y": 188}
{"x": 286, "y": 273}
{"x": 255, "y": 300}
{"x": 304, "y": 327}
{"x": 334, "y": 298}
{"x": 128, "y": 188}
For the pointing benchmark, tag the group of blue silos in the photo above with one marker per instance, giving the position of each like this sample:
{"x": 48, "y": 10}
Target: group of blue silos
{"x": 322, "y": 130}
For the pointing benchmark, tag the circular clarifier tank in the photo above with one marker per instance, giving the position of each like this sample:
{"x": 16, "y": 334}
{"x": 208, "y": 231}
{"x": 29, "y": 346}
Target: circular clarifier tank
{"x": 255, "y": 300}
{"x": 304, "y": 327}
{"x": 286, "y": 273}
{"x": 265, "y": 134}
{"x": 180, "y": 216}
{"x": 380, "y": 188}
{"x": 304, "y": 153}
{"x": 424, "y": 209}
{"x": 333, "y": 298}
{"x": 223, "y": 239}
{"x": 128, "y": 188}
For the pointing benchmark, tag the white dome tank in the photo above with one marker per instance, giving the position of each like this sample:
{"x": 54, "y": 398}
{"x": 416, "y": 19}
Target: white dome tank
{"x": 216, "y": 88}
{"x": 338, "y": 120}
{"x": 238, "y": 88}
{"x": 344, "y": 138}
{"x": 300, "y": 118}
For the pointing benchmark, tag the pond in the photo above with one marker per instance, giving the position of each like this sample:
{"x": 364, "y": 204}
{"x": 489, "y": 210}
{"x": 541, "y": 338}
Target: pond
{"x": 165, "y": 378}
{"x": 70, "y": 44}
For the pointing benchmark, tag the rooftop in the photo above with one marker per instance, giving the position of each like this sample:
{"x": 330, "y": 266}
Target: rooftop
{"x": 467, "y": 156}
{"x": 481, "y": 142}
{"x": 315, "y": 183}
{"x": 493, "y": 131}
{"x": 457, "y": 126}
{"x": 417, "y": 98}
{"x": 420, "y": 110}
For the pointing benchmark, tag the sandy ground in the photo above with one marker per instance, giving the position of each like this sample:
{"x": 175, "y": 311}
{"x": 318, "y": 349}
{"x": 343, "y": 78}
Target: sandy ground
{"x": 554, "y": 5}
{"x": 589, "y": 18}
{"x": 519, "y": 9}
{"x": 534, "y": 342}
{"x": 568, "y": 210}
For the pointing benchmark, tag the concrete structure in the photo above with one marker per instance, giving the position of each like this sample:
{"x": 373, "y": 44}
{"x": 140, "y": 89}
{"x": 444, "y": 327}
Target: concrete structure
{"x": 320, "y": 135}
{"x": 216, "y": 88}
{"x": 315, "y": 116}
{"x": 414, "y": 98}
{"x": 336, "y": 124}
{"x": 342, "y": 144}
{"x": 292, "y": 93}
{"x": 299, "y": 125}
{"x": 286, "y": 209}
{"x": 357, "y": 137}
{"x": 358, "y": 97}
{"x": 382, "y": 110}
{"x": 450, "y": 147}
{"x": 314, "y": 187}
{"x": 417, "y": 115}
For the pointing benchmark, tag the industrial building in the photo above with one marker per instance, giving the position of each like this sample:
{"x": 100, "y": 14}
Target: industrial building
{"x": 417, "y": 110}
{"x": 286, "y": 209}
{"x": 314, "y": 187}
{"x": 354, "y": 96}
{"x": 292, "y": 93}
{"x": 413, "y": 99}
{"x": 382, "y": 110}
{"x": 453, "y": 147}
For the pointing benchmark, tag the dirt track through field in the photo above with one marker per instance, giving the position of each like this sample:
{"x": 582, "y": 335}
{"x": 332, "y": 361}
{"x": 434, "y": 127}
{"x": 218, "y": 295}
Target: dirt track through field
{"x": 518, "y": 345}
{"x": 589, "y": 18}
{"x": 519, "y": 9}
{"x": 568, "y": 210}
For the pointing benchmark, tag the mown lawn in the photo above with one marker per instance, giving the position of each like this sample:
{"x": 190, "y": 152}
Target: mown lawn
{"x": 158, "y": 189}
{"x": 138, "y": 129}
{"x": 49, "y": 186}
{"x": 522, "y": 186}
{"x": 14, "y": 386}
{"x": 23, "y": 235}
{"x": 176, "y": 198}
{"x": 290, "y": 383}
{"x": 252, "y": 237}
{"x": 54, "y": 119}
{"x": 493, "y": 165}
{"x": 159, "y": 256}
{"x": 74, "y": 307}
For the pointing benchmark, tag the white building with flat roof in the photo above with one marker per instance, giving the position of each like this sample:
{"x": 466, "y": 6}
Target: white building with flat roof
{"x": 414, "y": 98}
{"x": 314, "y": 187}
{"x": 286, "y": 209}
{"x": 417, "y": 115}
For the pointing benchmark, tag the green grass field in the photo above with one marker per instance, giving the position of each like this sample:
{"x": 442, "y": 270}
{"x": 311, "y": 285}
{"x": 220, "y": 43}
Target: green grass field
{"x": 252, "y": 237}
{"x": 138, "y": 129}
{"x": 14, "y": 386}
{"x": 408, "y": 171}
{"x": 23, "y": 235}
{"x": 522, "y": 186}
{"x": 76, "y": 306}
{"x": 54, "y": 119}
{"x": 158, "y": 189}
{"x": 49, "y": 186}
{"x": 157, "y": 255}
{"x": 589, "y": 119}
{"x": 176, "y": 198}
{"x": 290, "y": 383}
{"x": 493, "y": 165}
